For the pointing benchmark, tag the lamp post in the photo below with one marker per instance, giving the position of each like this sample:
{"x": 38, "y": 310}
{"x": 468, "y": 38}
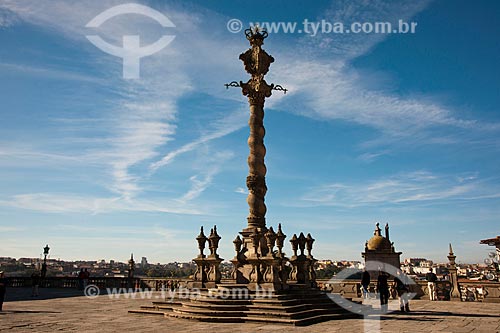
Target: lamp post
{"x": 131, "y": 269}
{"x": 43, "y": 272}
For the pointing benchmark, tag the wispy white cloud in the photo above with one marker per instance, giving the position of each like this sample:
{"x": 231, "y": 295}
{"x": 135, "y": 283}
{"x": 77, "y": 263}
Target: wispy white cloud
{"x": 200, "y": 182}
{"x": 11, "y": 229}
{"x": 324, "y": 85}
{"x": 143, "y": 119}
{"x": 328, "y": 91}
{"x": 142, "y": 122}
{"x": 241, "y": 190}
{"x": 344, "y": 47}
{"x": 7, "y": 18}
{"x": 221, "y": 128}
{"x": 405, "y": 188}
{"x": 372, "y": 156}
{"x": 162, "y": 231}
{"x": 68, "y": 203}
{"x": 52, "y": 73}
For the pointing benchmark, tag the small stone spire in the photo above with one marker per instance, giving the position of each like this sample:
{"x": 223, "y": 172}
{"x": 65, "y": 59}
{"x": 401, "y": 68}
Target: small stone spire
{"x": 377, "y": 230}
{"x": 387, "y": 231}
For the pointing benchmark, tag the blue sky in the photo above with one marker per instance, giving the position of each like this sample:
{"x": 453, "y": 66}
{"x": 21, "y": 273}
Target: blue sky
{"x": 398, "y": 128}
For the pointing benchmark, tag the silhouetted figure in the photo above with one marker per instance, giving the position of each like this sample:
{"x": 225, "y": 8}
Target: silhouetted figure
{"x": 43, "y": 271}
{"x": 3, "y": 289}
{"x": 81, "y": 276}
{"x": 402, "y": 290}
{"x": 365, "y": 284}
{"x": 35, "y": 282}
{"x": 383, "y": 289}
{"x": 86, "y": 277}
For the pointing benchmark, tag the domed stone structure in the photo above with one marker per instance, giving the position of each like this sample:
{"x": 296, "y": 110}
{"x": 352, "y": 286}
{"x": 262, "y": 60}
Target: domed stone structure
{"x": 381, "y": 249}
{"x": 378, "y": 243}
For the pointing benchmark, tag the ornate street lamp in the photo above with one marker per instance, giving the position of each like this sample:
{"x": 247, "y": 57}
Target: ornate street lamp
{"x": 43, "y": 272}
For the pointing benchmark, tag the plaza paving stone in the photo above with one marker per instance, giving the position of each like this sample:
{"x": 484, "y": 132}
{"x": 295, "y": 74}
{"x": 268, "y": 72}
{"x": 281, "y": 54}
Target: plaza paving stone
{"x": 67, "y": 311}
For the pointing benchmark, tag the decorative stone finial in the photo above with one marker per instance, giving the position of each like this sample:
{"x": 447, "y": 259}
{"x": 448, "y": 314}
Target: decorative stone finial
{"x": 237, "y": 244}
{"x": 295, "y": 244}
{"x": 280, "y": 238}
{"x": 202, "y": 239}
{"x": 256, "y": 32}
{"x": 270, "y": 236}
{"x": 451, "y": 258}
{"x": 377, "y": 230}
{"x": 309, "y": 244}
{"x": 213, "y": 240}
{"x": 302, "y": 243}
{"x": 255, "y": 236}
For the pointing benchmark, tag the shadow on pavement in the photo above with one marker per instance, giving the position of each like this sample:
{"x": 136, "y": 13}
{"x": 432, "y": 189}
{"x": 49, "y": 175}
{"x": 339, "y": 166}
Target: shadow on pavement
{"x": 4, "y": 312}
{"x": 428, "y": 315}
{"x": 24, "y": 294}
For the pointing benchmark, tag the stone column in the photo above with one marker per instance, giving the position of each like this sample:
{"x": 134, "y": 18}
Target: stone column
{"x": 257, "y": 63}
{"x": 452, "y": 268}
{"x": 254, "y": 261}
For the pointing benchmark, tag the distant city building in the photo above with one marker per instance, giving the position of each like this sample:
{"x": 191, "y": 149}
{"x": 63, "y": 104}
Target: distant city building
{"x": 414, "y": 261}
{"x": 144, "y": 262}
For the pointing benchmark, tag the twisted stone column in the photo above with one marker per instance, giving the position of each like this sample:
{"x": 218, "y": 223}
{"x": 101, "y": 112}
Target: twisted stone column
{"x": 257, "y": 63}
{"x": 256, "y": 180}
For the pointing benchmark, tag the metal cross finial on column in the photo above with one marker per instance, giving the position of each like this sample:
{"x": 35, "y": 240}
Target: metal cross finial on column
{"x": 257, "y": 62}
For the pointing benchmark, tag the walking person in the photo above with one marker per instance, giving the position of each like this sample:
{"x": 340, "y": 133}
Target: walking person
{"x": 431, "y": 284}
{"x": 3, "y": 289}
{"x": 383, "y": 289}
{"x": 86, "y": 276}
{"x": 365, "y": 284}
{"x": 81, "y": 276}
{"x": 402, "y": 290}
{"x": 35, "y": 283}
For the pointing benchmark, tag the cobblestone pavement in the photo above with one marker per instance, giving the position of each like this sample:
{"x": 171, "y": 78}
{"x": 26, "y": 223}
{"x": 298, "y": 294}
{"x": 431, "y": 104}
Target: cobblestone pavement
{"x": 67, "y": 312}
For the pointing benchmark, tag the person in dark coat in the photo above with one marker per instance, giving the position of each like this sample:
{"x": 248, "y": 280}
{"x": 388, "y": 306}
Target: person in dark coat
{"x": 402, "y": 290}
{"x": 3, "y": 289}
{"x": 383, "y": 290}
{"x": 365, "y": 284}
{"x": 35, "y": 282}
{"x": 81, "y": 276}
{"x": 431, "y": 284}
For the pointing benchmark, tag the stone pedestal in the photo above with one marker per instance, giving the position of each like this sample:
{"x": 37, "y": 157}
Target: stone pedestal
{"x": 200, "y": 276}
{"x": 300, "y": 270}
{"x": 214, "y": 275}
{"x": 452, "y": 269}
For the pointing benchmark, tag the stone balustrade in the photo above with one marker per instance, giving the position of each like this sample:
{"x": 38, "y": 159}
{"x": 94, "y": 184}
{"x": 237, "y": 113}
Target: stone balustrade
{"x": 156, "y": 284}
{"x": 471, "y": 291}
{"x": 482, "y": 291}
